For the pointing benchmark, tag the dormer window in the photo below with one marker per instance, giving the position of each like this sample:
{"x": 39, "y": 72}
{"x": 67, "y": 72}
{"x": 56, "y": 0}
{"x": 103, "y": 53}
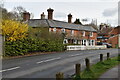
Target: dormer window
{"x": 83, "y": 33}
{"x": 91, "y": 34}
{"x": 63, "y": 30}
{"x": 72, "y": 32}
{"x": 54, "y": 29}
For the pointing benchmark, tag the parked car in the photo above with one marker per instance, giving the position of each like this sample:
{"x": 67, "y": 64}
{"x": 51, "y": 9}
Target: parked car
{"x": 104, "y": 43}
{"x": 108, "y": 45}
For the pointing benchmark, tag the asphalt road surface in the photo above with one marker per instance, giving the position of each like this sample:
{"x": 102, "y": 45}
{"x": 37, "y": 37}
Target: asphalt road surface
{"x": 47, "y": 65}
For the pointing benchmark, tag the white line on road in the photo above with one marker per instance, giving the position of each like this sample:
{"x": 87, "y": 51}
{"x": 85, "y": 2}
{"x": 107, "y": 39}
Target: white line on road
{"x": 49, "y": 60}
{"x": 9, "y": 69}
{"x": 40, "y": 62}
{"x": 75, "y": 55}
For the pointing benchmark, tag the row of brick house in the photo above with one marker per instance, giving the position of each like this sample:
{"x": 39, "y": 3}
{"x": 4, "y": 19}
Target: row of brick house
{"x": 114, "y": 39}
{"x": 75, "y": 33}
{"x": 109, "y": 35}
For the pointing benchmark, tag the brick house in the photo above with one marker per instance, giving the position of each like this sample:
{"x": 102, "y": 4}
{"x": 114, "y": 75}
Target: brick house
{"x": 75, "y": 33}
{"x": 109, "y": 34}
{"x": 104, "y": 32}
{"x": 114, "y": 38}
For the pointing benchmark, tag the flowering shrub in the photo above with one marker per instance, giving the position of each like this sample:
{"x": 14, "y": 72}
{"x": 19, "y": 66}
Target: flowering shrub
{"x": 20, "y": 40}
{"x": 14, "y": 30}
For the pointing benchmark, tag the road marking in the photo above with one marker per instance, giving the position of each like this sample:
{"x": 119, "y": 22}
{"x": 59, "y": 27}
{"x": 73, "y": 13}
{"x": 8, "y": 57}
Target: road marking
{"x": 49, "y": 60}
{"x": 9, "y": 69}
{"x": 74, "y": 55}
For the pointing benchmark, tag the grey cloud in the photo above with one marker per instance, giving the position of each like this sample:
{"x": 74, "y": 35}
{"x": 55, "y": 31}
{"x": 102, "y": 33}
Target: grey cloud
{"x": 113, "y": 21}
{"x": 119, "y": 20}
{"x": 60, "y": 15}
{"x": 109, "y": 0}
{"x": 110, "y": 12}
{"x": 119, "y": 13}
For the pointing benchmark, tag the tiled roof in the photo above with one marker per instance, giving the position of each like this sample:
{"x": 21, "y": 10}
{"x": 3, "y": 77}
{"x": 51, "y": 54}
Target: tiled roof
{"x": 38, "y": 23}
{"x": 58, "y": 24}
{"x": 105, "y": 30}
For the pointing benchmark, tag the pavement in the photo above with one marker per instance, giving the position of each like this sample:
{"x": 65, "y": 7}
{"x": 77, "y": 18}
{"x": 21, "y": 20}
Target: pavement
{"x": 47, "y": 65}
{"x": 0, "y": 54}
{"x": 1, "y": 45}
{"x": 111, "y": 74}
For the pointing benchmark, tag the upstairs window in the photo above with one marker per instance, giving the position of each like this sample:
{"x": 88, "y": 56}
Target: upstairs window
{"x": 83, "y": 33}
{"x": 72, "y": 32}
{"x": 63, "y": 30}
{"x": 91, "y": 34}
{"x": 54, "y": 29}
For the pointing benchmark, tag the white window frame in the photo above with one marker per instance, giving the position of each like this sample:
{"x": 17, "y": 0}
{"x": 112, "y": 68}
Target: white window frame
{"x": 65, "y": 41}
{"x": 91, "y": 34}
{"x": 63, "y": 30}
{"x": 93, "y": 42}
{"x": 72, "y": 32}
{"x": 75, "y": 41}
{"x": 54, "y": 29}
{"x": 89, "y": 42}
{"x": 81, "y": 42}
{"x": 84, "y": 42}
{"x": 83, "y": 33}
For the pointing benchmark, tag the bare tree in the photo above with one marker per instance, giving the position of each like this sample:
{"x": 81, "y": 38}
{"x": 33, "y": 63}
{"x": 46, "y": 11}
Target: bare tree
{"x": 18, "y": 12}
{"x": 15, "y": 14}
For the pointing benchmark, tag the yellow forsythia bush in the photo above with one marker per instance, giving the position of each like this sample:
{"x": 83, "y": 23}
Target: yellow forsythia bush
{"x": 14, "y": 30}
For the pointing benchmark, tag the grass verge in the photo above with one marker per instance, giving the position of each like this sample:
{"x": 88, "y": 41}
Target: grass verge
{"x": 98, "y": 69}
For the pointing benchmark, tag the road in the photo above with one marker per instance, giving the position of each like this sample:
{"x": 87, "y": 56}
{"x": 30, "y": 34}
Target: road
{"x": 47, "y": 65}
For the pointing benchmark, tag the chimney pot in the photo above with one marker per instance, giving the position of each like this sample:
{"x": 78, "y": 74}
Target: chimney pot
{"x": 69, "y": 18}
{"x": 26, "y": 16}
{"x": 43, "y": 16}
{"x": 50, "y": 13}
{"x": 101, "y": 26}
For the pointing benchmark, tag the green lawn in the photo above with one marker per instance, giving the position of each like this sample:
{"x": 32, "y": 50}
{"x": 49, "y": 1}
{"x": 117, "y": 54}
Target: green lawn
{"x": 98, "y": 69}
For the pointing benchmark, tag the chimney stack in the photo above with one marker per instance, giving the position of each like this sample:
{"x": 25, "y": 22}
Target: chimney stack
{"x": 50, "y": 13}
{"x": 43, "y": 16}
{"x": 26, "y": 16}
{"x": 69, "y": 18}
{"x": 101, "y": 26}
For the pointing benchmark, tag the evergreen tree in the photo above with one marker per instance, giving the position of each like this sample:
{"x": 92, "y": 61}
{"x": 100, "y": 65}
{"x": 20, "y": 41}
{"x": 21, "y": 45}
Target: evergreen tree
{"x": 77, "y": 21}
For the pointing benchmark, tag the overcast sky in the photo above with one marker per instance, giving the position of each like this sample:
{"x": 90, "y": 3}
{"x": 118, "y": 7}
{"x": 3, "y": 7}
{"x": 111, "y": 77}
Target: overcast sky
{"x": 102, "y": 10}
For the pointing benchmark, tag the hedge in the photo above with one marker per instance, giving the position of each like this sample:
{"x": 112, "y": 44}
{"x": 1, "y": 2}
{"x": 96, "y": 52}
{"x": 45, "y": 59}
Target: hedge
{"x": 22, "y": 47}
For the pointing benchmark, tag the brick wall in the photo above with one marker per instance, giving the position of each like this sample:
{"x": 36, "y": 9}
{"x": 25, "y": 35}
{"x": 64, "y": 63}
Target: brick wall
{"x": 77, "y": 33}
{"x": 113, "y": 41}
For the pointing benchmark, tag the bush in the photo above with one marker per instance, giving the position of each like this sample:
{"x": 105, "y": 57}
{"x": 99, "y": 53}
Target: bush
{"x": 22, "y": 47}
{"x": 37, "y": 40}
{"x": 14, "y": 30}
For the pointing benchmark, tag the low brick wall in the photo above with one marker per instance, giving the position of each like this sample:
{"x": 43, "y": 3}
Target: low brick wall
{"x": 80, "y": 47}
